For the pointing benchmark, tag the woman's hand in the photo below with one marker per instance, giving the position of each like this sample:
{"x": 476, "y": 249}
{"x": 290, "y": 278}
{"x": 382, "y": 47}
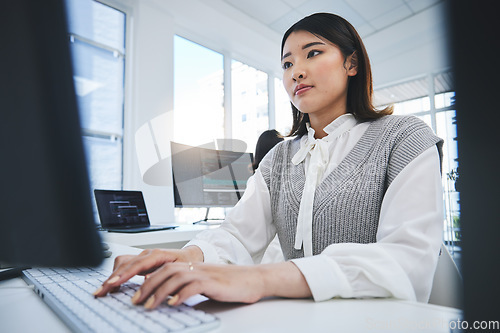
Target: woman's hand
{"x": 127, "y": 266}
{"x": 180, "y": 274}
{"x": 179, "y": 281}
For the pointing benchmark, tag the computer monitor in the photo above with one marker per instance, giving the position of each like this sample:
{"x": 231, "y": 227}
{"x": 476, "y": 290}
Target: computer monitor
{"x": 207, "y": 177}
{"x": 46, "y": 212}
{"x": 477, "y": 139}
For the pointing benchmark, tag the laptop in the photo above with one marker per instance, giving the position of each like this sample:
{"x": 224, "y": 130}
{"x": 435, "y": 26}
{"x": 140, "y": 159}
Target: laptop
{"x": 124, "y": 211}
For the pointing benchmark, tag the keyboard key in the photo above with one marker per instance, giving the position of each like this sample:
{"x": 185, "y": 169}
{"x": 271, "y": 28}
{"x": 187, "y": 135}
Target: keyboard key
{"x": 70, "y": 293}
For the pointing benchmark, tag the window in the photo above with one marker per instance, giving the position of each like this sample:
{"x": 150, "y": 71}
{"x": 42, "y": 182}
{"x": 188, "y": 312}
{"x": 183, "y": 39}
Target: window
{"x": 446, "y": 128}
{"x": 432, "y": 99}
{"x": 249, "y": 103}
{"x": 198, "y": 105}
{"x": 283, "y": 108}
{"x": 198, "y": 93}
{"x": 97, "y": 44}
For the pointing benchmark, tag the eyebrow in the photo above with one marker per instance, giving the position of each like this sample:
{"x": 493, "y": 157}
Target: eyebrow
{"x": 303, "y": 48}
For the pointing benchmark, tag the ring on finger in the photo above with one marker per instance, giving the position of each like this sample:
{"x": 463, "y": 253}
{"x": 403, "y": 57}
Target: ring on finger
{"x": 191, "y": 267}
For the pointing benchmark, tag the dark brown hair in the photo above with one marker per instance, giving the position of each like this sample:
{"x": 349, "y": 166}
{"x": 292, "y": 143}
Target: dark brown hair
{"x": 267, "y": 140}
{"x": 360, "y": 88}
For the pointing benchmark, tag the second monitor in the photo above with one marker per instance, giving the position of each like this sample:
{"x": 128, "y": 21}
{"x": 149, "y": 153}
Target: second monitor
{"x": 207, "y": 177}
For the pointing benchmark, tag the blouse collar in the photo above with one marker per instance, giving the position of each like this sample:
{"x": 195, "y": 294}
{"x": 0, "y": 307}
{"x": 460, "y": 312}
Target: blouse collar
{"x": 334, "y": 130}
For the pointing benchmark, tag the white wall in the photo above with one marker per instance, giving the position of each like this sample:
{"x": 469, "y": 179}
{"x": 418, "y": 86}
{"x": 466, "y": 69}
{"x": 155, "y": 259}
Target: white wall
{"x": 149, "y": 88}
{"x": 149, "y": 72}
{"x": 407, "y": 49}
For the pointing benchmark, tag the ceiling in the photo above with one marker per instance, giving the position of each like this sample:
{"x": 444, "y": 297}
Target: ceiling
{"x": 442, "y": 82}
{"x": 406, "y": 39}
{"x": 367, "y": 16}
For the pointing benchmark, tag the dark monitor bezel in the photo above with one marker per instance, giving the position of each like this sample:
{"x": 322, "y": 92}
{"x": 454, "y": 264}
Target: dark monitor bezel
{"x": 47, "y": 215}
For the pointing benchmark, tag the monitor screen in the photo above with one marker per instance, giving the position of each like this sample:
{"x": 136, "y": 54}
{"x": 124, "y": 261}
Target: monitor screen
{"x": 207, "y": 177}
{"x": 118, "y": 208}
{"x": 47, "y": 217}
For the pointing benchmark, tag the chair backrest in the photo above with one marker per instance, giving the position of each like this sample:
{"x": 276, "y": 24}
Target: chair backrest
{"x": 447, "y": 286}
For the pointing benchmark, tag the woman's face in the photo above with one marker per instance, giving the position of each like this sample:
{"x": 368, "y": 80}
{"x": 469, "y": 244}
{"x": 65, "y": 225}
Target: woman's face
{"x": 315, "y": 75}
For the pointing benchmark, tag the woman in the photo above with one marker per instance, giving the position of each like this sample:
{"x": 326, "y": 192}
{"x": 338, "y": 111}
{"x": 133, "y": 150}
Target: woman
{"x": 355, "y": 198}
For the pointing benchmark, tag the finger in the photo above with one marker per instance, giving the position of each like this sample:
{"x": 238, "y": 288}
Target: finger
{"x": 155, "y": 258}
{"x": 110, "y": 285}
{"x": 167, "y": 281}
{"x": 125, "y": 268}
{"x": 190, "y": 289}
{"x": 120, "y": 260}
{"x": 155, "y": 280}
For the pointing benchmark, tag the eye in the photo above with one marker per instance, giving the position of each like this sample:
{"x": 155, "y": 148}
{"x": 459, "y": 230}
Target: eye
{"x": 313, "y": 53}
{"x": 287, "y": 65}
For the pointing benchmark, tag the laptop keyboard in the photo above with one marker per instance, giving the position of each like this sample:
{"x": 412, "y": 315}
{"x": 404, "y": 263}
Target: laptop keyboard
{"x": 69, "y": 293}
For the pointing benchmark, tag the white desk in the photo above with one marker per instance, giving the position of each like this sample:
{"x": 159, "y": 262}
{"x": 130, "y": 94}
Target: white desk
{"x": 172, "y": 239}
{"x": 22, "y": 311}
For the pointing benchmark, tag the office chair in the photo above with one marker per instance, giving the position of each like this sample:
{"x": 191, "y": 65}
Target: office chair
{"x": 447, "y": 286}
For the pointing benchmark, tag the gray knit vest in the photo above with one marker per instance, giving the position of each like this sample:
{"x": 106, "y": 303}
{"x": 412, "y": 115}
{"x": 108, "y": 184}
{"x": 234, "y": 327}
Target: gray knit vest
{"x": 347, "y": 202}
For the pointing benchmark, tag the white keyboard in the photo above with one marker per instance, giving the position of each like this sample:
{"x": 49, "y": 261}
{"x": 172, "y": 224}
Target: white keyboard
{"x": 69, "y": 293}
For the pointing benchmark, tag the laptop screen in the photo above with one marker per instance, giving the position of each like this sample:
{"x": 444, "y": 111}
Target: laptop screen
{"x": 121, "y": 209}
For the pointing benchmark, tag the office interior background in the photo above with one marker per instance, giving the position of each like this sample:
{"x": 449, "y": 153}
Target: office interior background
{"x": 197, "y": 71}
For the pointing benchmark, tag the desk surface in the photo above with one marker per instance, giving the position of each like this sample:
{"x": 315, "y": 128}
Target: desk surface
{"x": 22, "y": 311}
{"x": 172, "y": 238}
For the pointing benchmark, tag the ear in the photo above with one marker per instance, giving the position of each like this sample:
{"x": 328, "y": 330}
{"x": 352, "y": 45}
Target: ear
{"x": 352, "y": 64}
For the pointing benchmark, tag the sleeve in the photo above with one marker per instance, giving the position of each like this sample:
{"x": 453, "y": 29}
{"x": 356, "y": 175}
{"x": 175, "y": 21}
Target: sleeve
{"x": 403, "y": 260}
{"x": 246, "y": 232}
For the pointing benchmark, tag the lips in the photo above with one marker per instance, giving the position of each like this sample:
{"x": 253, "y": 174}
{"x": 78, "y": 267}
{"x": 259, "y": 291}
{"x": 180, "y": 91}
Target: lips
{"x": 301, "y": 88}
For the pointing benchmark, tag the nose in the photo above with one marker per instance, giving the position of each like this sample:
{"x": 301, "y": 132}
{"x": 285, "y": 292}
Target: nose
{"x": 299, "y": 71}
{"x": 298, "y": 75}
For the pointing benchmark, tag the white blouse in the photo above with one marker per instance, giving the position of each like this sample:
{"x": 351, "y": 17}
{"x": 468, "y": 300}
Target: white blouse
{"x": 400, "y": 264}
